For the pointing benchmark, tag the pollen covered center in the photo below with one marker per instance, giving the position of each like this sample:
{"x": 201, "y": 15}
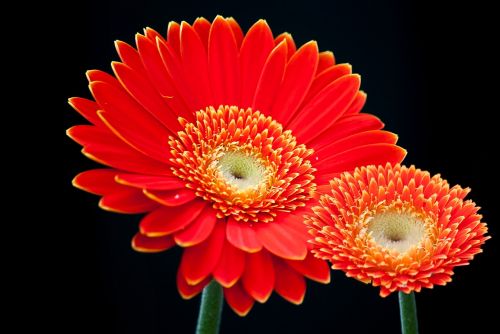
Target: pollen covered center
{"x": 242, "y": 171}
{"x": 244, "y": 163}
{"x": 399, "y": 231}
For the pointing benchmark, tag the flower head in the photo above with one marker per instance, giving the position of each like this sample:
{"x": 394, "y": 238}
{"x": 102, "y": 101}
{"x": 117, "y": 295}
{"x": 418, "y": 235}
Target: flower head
{"x": 396, "y": 227}
{"x": 223, "y": 139}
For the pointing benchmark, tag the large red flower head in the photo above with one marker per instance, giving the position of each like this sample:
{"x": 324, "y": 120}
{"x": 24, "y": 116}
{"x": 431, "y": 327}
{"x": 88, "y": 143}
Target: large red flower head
{"x": 396, "y": 227}
{"x": 223, "y": 139}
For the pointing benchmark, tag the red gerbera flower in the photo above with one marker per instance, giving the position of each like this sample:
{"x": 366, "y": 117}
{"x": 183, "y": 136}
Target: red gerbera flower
{"x": 221, "y": 138}
{"x": 396, "y": 227}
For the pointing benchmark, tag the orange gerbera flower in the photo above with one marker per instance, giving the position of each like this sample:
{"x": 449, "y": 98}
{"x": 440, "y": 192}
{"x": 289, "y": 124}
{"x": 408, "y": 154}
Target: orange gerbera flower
{"x": 396, "y": 227}
{"x": 222, "y": 138}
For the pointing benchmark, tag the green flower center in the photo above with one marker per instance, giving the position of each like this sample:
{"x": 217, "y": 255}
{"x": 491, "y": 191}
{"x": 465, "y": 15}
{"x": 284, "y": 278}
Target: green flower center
{"x": 242, "y": 171}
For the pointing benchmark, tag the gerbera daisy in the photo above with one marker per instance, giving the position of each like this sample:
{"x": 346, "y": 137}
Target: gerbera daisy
{"x": 222, "y": 138}
{"x": 396, "y": 227}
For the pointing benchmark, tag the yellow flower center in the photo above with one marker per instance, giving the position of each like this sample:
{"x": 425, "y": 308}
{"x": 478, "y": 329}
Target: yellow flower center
{"x": 399, "y": 231}
{"x": 244, "y": 172}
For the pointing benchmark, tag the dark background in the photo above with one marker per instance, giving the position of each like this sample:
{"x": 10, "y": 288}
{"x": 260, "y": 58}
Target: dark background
{"x": 427, "y": 71}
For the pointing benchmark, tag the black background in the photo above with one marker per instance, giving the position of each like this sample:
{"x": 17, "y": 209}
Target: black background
{"x": 427, "y": 71}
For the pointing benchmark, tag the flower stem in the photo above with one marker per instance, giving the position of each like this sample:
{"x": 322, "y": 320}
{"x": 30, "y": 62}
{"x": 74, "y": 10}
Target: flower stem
{"x": 210, "y": 309}
{"x": 408, "y": 313}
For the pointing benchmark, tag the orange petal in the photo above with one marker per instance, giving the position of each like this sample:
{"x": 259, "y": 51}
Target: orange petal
{"x": 174, "y": 197}
{"x": 150, "y": 182}
{"x": 189, "y": 291}
{"x": 281, "y": 241}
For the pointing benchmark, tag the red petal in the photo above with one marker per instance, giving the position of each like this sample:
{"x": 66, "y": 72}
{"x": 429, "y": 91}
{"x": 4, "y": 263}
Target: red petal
{"x": 238, "y": 300}
{"x": 258, "y": 277}
{"x": 236, "y": 29}
{"x": 87, "y": 109}
{"x": 104, "y": 147}
{"x": 322, "y": 155}
{"x": 195, "y": 68}
{"x": 150, "y": 182}
{"x": 199, "y": 261}
{"x": 324, "y": 110}
{"x": 199, "y": 230}
{"x": 173, "y": 36}
{"x": 270, "y": 79}
{"x": 230, "y": 266}
{"x": 161, "y": 78}
{"x": 289, "y": 41}
{"x": 171, "y": 61}
{"x": 167, "y": 220}
{"x": 243, "y": 236}
{"x": 357, "y": 104}
{"x": 289, "y": 284}
{"x": 129, "y": 56}
{"x": 297, "y": 79}
{"x": 325, "y": 78}
{"x": 171, "y": 197}
{"x": 374, "y": 154}
{"x": 223, "y": 61}
{"x": 255, "y": 49}
{"x": 282, "y": 241}
{"x": 127, "y": 201}
{"x": 189, "y": 291}
{"x": 98, "y": 181}
{"x": 98, "y": 75}
{"x": 346, "y": 126}
{"x": 312, "y": 268}
{"x": 146, "y": 95}
{"x": 202, "y": 27}
{"x": 142, "y": 243}
{"x": 326, "y": 60}
{"x": 130, "y": 122}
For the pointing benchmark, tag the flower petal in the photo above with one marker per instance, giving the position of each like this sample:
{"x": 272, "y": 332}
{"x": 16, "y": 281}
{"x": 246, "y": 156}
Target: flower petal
{"x": 202, "y": 27}
{"x": 104, "y": 147}
{"x": 174, "y": 197}
{"x": 270, "y": 78}
{"x": 257, "y": 45}
{"x": 230, "y": 266}
{"x": 325, "y": 78}
{"x": 150, "y": 182}
{"x": 349, "y": 142}
{"x": 174, "y": 36}
{"x": 289, "y": 42}
{"x": 357, "y": 104}
{"x": 373, "y": 154}
{"x": 323, "y": 111}
{"x": 87, "y": 109}
{"x": 199, "y": 230}
{"x": 166, "y": 220}
{"x": 236, "y": 29}
{"x": 127, "y": 201}
{"x": 242, "y": 236}
{"x": 199, "y": 261}
{"x": 281, "y": 241}
{"x": 238, "y": 299}
{"x": 98, "y": 181}
{"x": 312, "y": 268}
{"x": 189, "y": 291}
{"x": 223, "y": 63}
{"x": 195, "y": 68}
{"x": 144, "y": 244}
{"x": 258, "y": 277}
{"x": 289, "y": 284}
{"x": 345, "y": 126}
{"x": 326, "y": 60}
{"x": 297, "y": 79}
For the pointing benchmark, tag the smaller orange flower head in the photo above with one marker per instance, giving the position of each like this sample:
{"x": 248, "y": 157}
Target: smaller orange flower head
{"x": 396, "y": 227}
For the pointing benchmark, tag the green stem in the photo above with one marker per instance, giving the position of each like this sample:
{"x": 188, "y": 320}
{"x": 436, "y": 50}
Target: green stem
{"x": 408, "y": 313}
{"x": 210, "y": 309}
